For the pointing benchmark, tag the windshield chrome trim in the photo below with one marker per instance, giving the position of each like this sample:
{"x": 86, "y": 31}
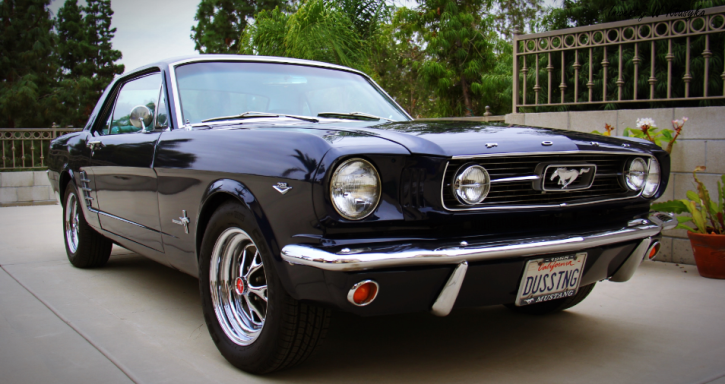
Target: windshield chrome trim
{"x": 264, "y": 59}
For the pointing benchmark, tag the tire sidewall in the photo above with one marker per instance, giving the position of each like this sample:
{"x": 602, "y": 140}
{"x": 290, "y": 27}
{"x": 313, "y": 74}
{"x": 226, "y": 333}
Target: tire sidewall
{"x": 259, "y": 355}
{"x": 71, "y": 189}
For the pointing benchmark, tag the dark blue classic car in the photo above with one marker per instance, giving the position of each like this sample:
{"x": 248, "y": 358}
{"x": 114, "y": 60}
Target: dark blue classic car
{"x": 291, "y": 187}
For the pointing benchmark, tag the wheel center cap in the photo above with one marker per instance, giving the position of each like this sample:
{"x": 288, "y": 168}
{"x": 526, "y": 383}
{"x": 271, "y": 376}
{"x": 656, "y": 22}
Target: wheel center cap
{"x": 239, "y": 285}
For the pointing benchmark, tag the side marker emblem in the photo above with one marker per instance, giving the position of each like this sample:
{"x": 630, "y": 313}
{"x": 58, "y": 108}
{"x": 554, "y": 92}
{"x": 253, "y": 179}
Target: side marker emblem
{"x": 282, "y": 188}
{"x": 183, "y": 220}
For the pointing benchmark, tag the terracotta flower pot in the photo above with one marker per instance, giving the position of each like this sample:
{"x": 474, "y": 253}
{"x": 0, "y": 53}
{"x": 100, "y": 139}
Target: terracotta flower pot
{"x": 709, "y": 253}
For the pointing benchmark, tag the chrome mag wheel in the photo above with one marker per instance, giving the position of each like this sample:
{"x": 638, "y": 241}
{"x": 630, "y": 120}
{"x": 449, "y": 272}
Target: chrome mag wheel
{"x": 238, "y": 286}
{"x": 72, "y": 219}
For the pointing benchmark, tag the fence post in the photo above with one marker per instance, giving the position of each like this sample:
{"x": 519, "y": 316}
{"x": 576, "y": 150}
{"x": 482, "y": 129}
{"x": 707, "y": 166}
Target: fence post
{"x": 637, "y": 35}
{"x": 515, "y": 80}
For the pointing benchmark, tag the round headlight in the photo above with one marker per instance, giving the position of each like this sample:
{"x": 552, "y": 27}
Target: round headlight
{"x": 636, "y": 174}
{"x": 355, "y": 189}
{"x": 471, "y": 184}
{"x": 653, "y": 179}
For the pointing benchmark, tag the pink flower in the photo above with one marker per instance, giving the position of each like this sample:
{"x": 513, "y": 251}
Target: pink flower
{"x": 678, "y": 124}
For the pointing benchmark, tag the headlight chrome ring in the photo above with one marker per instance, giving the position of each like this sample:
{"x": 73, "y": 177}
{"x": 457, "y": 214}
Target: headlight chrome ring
{"x": 471, "y": 184}
{"x": 355, "y": 189}
{"x": 652, "y": 183}
{"x": 635, "y": 174}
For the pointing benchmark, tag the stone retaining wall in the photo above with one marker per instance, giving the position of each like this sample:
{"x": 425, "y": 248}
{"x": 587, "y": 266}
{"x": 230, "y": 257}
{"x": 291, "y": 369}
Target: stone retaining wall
{"x": 25, "y": 188}
{"x": 701, "y": 143}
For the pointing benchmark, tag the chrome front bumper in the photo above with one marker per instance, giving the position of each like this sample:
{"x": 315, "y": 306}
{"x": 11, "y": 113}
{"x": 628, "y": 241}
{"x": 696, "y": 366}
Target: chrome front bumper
{"x": 405, "y": 256}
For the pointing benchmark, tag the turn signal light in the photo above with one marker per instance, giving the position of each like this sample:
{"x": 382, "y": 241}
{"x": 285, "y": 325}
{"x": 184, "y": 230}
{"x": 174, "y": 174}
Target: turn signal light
{"x": 654, "y": 250}
{"x": 363, "y": 293}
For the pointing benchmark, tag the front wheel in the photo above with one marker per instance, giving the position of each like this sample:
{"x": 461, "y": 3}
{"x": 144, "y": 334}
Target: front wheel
{"x": 85, "y": 247}
{"x": 254, "y": 323}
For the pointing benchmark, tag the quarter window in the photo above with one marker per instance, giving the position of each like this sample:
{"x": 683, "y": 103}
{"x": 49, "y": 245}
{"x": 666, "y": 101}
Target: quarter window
{"x": 135, "y": 106}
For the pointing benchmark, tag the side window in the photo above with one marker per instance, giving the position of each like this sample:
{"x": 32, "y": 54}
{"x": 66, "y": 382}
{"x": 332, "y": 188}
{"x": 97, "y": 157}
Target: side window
{"x": 135, "y": 106}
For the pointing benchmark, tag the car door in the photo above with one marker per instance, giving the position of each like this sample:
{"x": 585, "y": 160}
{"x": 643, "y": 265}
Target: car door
{"x": 122, "y": 155}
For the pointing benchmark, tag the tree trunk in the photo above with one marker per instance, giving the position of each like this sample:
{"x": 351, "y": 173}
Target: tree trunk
{"x": 411, "y": 110}
{"x": 466, "y": 99}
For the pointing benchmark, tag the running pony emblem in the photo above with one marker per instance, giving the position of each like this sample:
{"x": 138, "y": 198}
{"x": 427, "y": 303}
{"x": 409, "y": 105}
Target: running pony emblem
{"x": 567, "y": 176}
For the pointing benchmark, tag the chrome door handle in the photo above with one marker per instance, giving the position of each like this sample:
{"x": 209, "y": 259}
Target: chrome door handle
{"x": 92, "y": 144}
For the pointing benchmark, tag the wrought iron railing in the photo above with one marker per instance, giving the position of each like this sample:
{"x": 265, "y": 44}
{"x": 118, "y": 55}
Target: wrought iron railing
{"x": 636, "y": 52}
{"x": 27, "y": 148}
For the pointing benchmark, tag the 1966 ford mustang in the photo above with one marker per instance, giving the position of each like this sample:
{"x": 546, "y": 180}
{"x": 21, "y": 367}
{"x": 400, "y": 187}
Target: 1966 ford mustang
{"x": 291, "y": 187}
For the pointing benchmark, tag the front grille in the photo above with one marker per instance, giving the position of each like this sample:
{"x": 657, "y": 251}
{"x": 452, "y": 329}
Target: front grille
{"x": 608, "y": 182}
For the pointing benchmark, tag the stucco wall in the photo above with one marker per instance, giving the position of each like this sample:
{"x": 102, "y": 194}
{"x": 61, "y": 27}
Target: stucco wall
{"x": 25, "y": 188}
{"x": 701, "y": 143}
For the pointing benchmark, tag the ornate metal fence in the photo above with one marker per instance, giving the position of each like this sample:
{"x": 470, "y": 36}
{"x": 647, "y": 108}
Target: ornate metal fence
{"x": 27, "y": 148}
{"x": 658, "y": 59}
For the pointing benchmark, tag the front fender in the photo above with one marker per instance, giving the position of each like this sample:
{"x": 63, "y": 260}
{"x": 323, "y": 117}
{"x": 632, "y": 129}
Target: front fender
{"x": 221, "y": 191}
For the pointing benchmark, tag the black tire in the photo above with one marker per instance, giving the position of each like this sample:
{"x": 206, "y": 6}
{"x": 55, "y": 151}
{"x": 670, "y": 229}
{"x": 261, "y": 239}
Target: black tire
{"x": 553, "y": 306}
{"x": 85, "y": 247}
{"x": 289, "y": 332}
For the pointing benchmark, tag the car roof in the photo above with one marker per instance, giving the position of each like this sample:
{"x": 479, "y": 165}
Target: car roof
{"x": 172, "y": 61}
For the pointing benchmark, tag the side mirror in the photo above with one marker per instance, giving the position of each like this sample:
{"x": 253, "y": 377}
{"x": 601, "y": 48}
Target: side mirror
{"x": 141, "y": 117}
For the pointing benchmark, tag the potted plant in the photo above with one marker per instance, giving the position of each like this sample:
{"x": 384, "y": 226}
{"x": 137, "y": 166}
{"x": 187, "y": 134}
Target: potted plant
{"x": 707, "y": 236}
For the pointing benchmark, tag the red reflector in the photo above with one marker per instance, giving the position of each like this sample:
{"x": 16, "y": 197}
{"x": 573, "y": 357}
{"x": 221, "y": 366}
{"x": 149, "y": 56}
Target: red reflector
{"x": 365, "y": 293}
{"x": 362, "y": 293}
{"x": 653, "y": 251}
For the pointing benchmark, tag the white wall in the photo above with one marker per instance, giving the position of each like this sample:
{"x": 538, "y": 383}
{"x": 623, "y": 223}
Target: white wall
{"x": 25, "y": 188}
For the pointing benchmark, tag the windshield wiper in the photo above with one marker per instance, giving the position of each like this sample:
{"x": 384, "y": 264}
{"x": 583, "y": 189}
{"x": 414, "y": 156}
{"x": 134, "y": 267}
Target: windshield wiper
{"x": 353, "y": 116}
{"x": 253, "y": 114}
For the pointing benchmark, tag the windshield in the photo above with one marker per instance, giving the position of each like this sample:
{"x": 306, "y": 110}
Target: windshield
{"x": 210, "y": 90}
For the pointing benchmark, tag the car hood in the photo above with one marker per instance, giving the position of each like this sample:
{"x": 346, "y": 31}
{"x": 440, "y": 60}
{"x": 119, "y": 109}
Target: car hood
{"x": 456, "y": 138}
{"x": 462, "y": 138}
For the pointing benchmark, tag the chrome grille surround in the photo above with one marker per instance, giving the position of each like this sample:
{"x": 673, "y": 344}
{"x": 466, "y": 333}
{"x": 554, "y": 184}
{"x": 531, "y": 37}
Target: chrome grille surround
{"x": 513, "y": 176}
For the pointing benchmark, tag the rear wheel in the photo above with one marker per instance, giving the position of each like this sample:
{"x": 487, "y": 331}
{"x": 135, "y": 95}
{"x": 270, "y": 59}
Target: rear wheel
{"x": 553, "y": 306}
{"x": 254, "y": 323}
{"x": 85, "y": 247}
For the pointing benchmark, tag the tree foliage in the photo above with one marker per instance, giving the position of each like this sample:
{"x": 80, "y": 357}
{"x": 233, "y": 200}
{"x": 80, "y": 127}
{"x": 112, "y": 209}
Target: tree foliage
{"x": 396, "y": 58}
{"x": 86, "y": 57}
{"x": 27, "y": 64}
{"x": 442, "y": 58}
{"x": 103, "y": 56}
{"x": 576, "y": 13}
{"x": 516, "y": 15}
{"x": 338, "y": 32}
{"x": 221, "y": 22}
{"x": 76, "y": 72}
{"x": 458, "y": 46}
{"x": 54, "y": 71}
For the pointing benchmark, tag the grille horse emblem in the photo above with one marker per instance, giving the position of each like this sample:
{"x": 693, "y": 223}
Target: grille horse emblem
{"x": 567, "y": 176}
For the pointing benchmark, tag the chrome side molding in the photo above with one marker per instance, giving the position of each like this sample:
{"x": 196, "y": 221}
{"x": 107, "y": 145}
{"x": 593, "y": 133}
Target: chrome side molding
{"x": 444, "y": 303}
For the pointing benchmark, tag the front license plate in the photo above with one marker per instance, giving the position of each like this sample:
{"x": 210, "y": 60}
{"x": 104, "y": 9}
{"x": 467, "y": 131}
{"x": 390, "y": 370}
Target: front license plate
{"x": 551, "y": 278}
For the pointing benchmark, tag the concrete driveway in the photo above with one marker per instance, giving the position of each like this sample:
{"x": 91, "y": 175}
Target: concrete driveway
{"x": 137, "y": 321}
